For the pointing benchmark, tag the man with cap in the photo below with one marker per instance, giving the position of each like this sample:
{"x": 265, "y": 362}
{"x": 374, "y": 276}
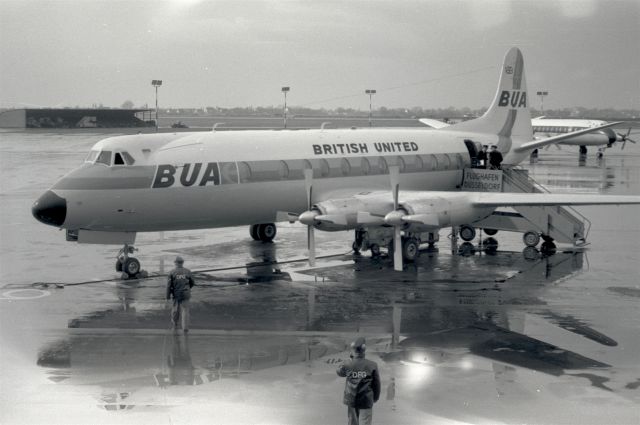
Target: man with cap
{"x": 179, "y": 284}
{"x": 495, "y": 158}
{"x": 362, "y": 386}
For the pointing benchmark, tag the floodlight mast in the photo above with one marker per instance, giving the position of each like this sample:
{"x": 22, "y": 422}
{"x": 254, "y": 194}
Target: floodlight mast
{"x": 156, "y": 84}
{"x": 285, "y": 90}
{"x": 542, "y": 94}
{"x": 370, "y": 92}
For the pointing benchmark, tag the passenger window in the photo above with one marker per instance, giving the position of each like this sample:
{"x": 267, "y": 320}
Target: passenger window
{"x": 104, "y": 158}
{"x": 434, "y": 162}
{"x": 284, "y": 170}
{"x": 128, "y": 159}
{"x": 244, "y": 171}
{"x": 382, "y": 165}
{"x": 446, "y": 159}
{"x": 117, "y": 160}
{"x": 324, "y": 168}
{"x": 365, "y": 166}
{"x": 228, "y": 173}
{"x": 346, "y": 167}
{"x": 419, "y": 163}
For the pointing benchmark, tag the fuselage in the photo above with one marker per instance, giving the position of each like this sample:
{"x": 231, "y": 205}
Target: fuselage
{"x": 228, "y": 178}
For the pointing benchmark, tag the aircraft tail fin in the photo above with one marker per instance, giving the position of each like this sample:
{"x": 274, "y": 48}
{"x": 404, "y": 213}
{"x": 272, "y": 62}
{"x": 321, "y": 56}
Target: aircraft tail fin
{"x": 508, "y": 117}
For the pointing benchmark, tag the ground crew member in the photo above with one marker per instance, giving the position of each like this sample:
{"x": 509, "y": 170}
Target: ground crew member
{"x": 495, "y": 158}
{"x": 179, "y": 284}
{"x": 482, "y": 157}
{"x": 362, "y": 386}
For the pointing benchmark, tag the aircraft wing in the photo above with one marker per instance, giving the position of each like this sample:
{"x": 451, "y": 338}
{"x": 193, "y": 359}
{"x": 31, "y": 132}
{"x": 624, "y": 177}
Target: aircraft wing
{"x": 433, "y": 123}
{"x": 555, "y": 139}
{"x": 548, "y": 199}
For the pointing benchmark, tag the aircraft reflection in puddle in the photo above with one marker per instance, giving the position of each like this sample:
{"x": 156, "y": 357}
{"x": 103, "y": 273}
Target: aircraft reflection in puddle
{"x": 452, "y": 308}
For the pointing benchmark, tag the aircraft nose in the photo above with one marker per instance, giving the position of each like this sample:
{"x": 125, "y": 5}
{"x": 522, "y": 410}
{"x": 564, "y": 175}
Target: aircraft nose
{"x": 50, "y": 209}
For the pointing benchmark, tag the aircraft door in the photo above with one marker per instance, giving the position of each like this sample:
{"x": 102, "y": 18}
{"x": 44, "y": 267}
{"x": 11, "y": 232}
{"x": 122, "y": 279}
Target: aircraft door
{"x": 474, "y": 149}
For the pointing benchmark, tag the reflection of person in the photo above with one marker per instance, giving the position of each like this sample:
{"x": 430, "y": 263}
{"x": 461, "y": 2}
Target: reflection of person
{"x": 495, "y": 158}
{"x": 179, "y": 284}
{"x": 482, "y": 157}
{"x": 181, "y": 370}
{"x": 391, "y": 393}
{"x": 362, "y": 386}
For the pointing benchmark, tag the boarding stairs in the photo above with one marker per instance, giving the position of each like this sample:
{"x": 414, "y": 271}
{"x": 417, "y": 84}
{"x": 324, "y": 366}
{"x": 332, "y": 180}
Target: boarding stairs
{"x": 562, "y": 224}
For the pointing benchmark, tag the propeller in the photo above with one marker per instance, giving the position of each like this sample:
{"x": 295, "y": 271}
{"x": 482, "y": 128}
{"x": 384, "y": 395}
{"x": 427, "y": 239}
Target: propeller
{"x": 625, "y": 138}
{"x": 308, "y": 217}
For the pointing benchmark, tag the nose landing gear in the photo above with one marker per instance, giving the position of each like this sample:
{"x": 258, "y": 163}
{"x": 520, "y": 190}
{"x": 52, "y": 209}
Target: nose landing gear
{"x": 129, "y": 266}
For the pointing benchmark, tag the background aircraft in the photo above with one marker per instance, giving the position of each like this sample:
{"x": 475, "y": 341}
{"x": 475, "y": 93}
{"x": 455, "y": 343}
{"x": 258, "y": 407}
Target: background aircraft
{"x": 544, "y": 128}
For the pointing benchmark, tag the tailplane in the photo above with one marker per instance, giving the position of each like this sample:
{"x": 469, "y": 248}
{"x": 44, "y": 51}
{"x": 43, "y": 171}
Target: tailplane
{"x": 508, "y": 116}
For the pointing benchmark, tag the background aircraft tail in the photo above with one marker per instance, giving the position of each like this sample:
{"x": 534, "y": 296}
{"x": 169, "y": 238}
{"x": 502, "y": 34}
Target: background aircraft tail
{"x": 508, "y": 116}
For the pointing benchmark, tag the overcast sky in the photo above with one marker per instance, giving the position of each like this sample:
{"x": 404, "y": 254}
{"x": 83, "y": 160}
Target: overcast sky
{"x": 238, "y": 53}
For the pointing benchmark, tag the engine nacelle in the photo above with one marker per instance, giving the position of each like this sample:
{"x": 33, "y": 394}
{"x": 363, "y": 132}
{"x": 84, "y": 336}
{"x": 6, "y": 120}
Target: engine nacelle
{"x": 450, "y": 211}
{"x": 346, "y": 209}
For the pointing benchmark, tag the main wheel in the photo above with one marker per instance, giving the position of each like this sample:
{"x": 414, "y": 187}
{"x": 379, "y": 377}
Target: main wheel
{"x": 253, "y": 231}
{"x": 410, "y": 249}
{"x": 467, "y": 233}
{"x": 266, "y": 232}
{"x": 356, "y": 247}
{"x": 118, "y": 265}
{"x": 131, "y": 266}
{"x": 531, "y": 238}
{"x": 490, "y": 232}
{"x": 375, "y": 250}
{"x": 467, "y": 249}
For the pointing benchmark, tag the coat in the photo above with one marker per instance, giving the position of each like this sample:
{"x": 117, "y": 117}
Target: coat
{"x": 179, "y": 284}
{"x": 362, "y": 386}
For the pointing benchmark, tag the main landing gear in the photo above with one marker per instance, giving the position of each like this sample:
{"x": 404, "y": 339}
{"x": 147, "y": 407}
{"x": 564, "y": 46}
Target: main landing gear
{"x": 263, "y": 232}
{"x": 129, "y": 266}
{"x": 374, "y": 239}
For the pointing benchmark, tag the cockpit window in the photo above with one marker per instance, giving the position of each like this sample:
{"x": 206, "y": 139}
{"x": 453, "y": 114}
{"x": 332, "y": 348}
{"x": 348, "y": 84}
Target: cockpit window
{"x": 128, "y": 159}
{"x": 104, "y": 158}
{"x": 92, "y": 156}
{"x": 118, "y": 159}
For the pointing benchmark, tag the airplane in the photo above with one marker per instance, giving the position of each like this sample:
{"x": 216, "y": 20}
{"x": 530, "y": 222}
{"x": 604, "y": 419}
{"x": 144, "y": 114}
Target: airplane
{"x": 389, "y": 185}
{"x": 546, "y": 127}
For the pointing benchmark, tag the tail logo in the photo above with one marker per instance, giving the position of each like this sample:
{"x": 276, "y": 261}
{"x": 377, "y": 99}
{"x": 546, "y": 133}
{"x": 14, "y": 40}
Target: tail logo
{"x": 515, "y": 99}
{"x": 508, "y": 69}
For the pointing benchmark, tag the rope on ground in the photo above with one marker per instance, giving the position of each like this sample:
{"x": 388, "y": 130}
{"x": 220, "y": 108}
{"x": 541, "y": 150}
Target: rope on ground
{"x": 157, "y": 275}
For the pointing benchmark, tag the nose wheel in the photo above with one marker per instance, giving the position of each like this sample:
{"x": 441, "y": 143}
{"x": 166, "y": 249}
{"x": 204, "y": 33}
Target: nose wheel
{"x": 129, "y": 266}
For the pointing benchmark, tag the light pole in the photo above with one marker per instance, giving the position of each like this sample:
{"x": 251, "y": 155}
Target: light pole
{"x": 285, "y": 90}
{"x": 370, "y": 92}
{"x": 542, "y": 94}
{"x": 156, "y": 84}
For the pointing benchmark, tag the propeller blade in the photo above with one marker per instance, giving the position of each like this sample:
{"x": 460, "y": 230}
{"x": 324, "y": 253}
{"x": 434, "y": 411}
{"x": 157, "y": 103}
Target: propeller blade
{"x": 397, "y": 249}
{"x": 394, "y": 177}
{"x": 308, "y": 185}
{"x": 311, "y": 245}
{"x": 364, "y": 217}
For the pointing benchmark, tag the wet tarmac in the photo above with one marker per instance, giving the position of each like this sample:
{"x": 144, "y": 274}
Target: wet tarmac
{"x": 510, "y": 336}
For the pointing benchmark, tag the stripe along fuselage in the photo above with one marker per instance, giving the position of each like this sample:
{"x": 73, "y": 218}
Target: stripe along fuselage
{"x": 230, "y": 178}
